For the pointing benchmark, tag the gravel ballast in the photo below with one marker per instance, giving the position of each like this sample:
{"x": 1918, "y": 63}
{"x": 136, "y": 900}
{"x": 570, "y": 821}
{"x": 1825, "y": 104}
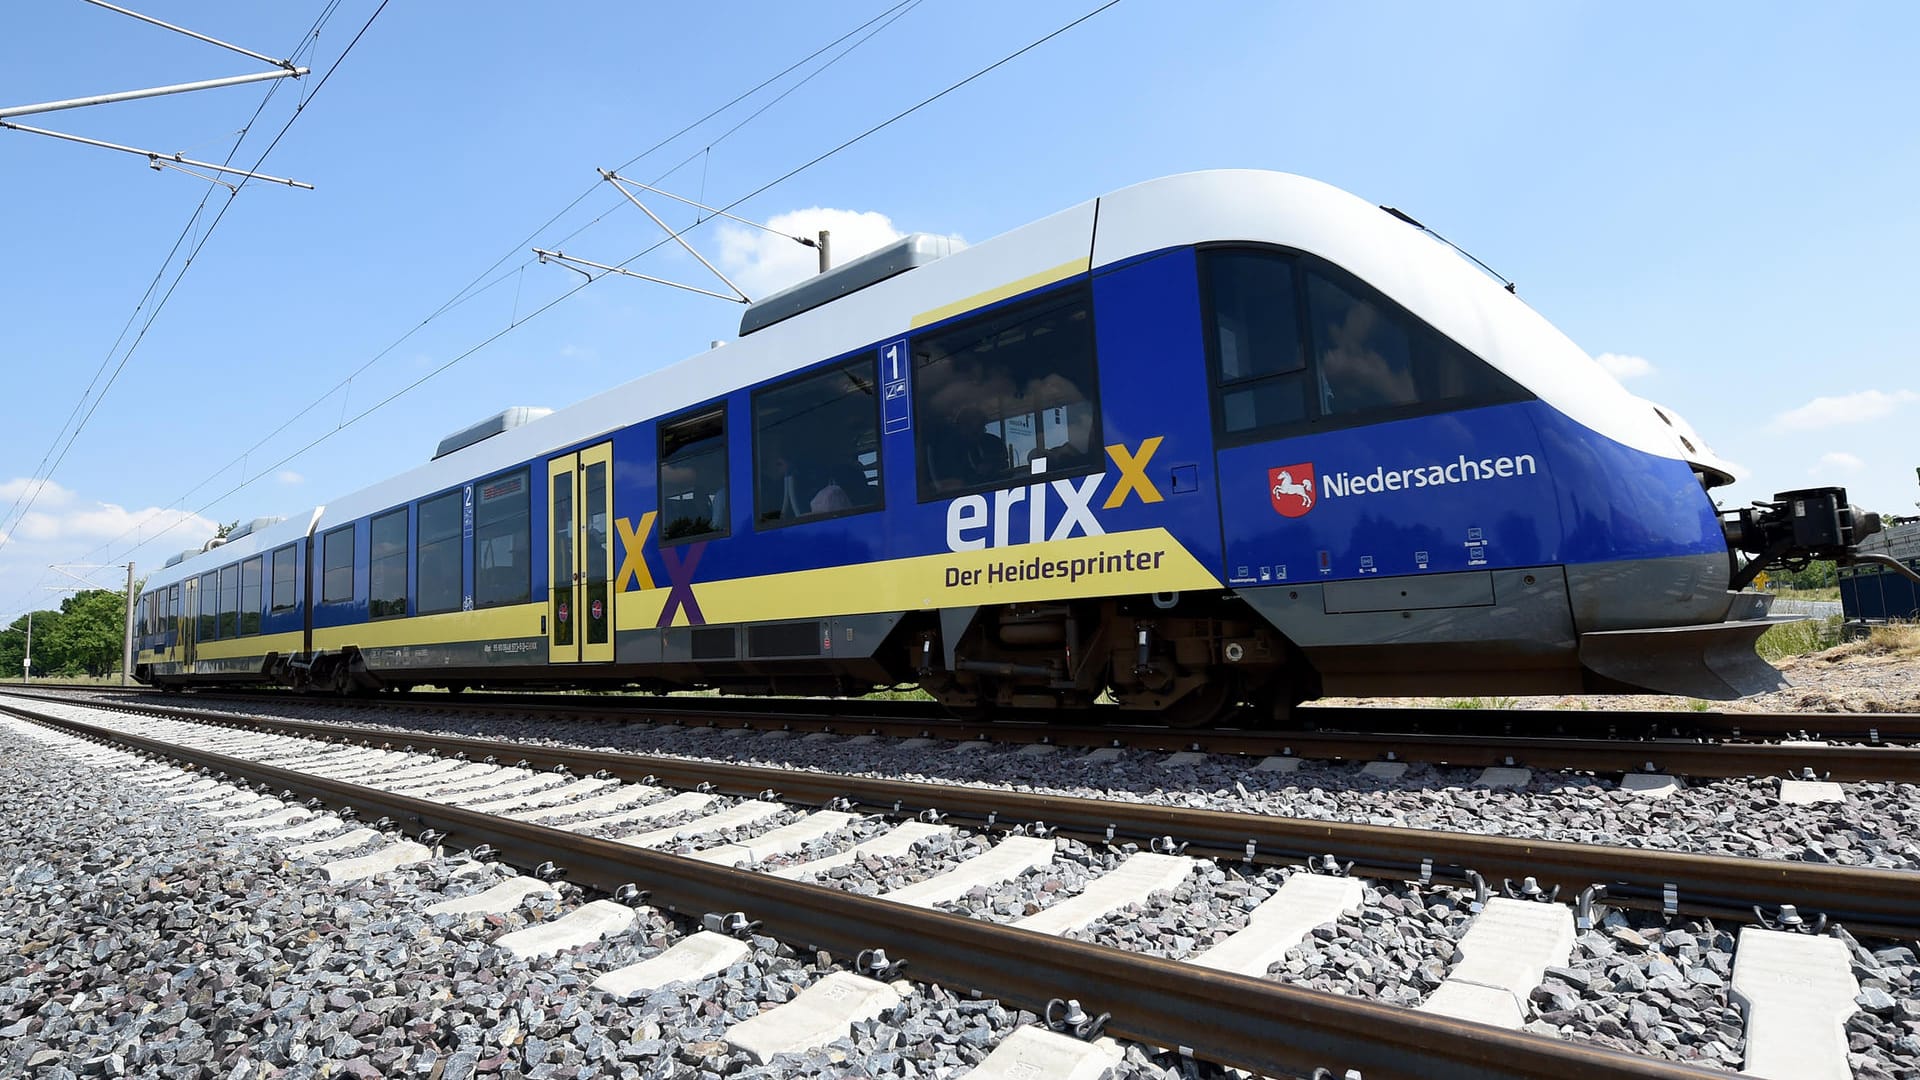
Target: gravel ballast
{"x": 1662, "y": 993}
{"x": 138, "y": 938}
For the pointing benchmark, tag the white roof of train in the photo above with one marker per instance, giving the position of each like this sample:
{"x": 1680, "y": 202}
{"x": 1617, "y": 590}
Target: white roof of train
{"x": 1405, "y": 263}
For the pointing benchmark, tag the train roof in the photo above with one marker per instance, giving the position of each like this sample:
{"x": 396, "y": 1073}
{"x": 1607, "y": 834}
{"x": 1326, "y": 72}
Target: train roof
{"x": 1246, "y": 206}
{"x": 254, "y": 540}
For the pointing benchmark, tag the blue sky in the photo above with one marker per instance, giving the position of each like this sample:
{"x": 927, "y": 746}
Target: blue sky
{"x": 1719, "y": 198}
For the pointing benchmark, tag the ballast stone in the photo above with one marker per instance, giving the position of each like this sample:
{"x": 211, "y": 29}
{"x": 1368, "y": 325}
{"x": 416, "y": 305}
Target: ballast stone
{"x": 692, "y": 958}
{"x": 1384, "y": 770}
{"x": 1033, "y": 1052}
{"x": 821, "y": 1013}
{"x": 583, "y": 925}
{"x": 1797, "y": 991}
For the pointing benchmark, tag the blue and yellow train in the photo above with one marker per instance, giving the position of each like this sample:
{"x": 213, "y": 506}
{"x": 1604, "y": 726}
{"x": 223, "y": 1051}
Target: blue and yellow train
{"x": 1222, "y": 441}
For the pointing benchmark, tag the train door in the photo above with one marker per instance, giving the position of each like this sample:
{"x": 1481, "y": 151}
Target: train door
{"x": 580, "y": 556}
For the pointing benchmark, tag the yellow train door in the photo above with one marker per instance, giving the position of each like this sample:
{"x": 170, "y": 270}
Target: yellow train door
{"x": 580, "y": 556}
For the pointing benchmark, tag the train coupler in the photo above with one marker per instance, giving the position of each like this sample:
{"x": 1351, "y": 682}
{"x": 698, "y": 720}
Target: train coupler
{"x": 1795, "y": 528}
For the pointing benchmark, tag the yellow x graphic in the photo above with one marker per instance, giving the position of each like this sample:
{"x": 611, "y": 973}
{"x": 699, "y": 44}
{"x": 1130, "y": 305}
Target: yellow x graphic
{"x": 1133, "y": 473}
{"x": 631, "y": 564}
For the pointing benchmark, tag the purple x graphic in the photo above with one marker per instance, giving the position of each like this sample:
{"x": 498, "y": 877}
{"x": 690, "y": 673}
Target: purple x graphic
{"x": 680, "y": 574}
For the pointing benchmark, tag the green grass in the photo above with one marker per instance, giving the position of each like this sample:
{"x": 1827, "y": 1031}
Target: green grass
{"x": 1798, "y": 638}
{"x": 1483, "y": 703}
{"x": 1830, "y": 592}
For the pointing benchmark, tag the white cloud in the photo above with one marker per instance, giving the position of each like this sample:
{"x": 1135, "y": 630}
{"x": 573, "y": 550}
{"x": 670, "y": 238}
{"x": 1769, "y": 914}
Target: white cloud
{"x": 105, "y": 521}
{"x": 1622, "y": 366}
{"x": 22, "y": 489}
{"x": 1836, "y": 461}
{"x": 762, "y": 262}
{"x": 67, "y": 528}
{"x": 1825, "y": 412}
{"x": 288, "y": 476}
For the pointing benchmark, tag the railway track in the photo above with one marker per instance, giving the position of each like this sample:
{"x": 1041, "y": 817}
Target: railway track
{"x": 1825, "y": 746}
{"x": 1247, "y": 1022}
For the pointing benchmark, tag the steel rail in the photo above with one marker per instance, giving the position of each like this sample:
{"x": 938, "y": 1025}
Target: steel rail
{"x": 1868, "y": 900}
{"x": 1267, "y": 1027}
{"x": 1609, "y": 753}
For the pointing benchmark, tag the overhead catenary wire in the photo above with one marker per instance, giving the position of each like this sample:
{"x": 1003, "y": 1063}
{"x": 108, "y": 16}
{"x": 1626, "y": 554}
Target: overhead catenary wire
{"x": 468, "y": 292}
{"x": 38, "y": 485}
{"x": 551, "y": 304}
{"x": 37, "y": 482}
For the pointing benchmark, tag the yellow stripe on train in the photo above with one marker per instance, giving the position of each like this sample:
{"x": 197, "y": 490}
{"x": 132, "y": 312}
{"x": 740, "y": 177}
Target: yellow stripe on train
{"x": 1134, "y": 562}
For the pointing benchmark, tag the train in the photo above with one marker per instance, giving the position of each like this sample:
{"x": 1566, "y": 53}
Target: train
{"x": 1198, "y": 450}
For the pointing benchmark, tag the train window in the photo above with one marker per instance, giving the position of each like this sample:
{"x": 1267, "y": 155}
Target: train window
{"x": 250, "y": 595}
{"x": 336, "y": 563}
{"x": 437, "y": 562}
{"x": 206, "y": 628}
{"x": 693, "y": 477}
{"x": 230, "y": 601}
{"x": 1258, "y": 361}
{"x": 286, "y": 588}
{"x": 1008, "y": 395}
{"x": 1376, "y": 358}
{"x": 1365, "y": 354}
{"x": 816, "y": 446}
{"x": 387, "y": 567}
{"x": 502, "y": 541}
{"x": 173, "y": 607}
{"x": 1294, "y": 343}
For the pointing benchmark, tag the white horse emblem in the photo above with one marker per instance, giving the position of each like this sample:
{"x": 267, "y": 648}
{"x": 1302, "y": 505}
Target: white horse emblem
{"x": 1286, "y": 485}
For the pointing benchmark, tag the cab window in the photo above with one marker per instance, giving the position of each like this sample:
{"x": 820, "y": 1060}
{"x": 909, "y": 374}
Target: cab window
{"x": 1296, "y": 344}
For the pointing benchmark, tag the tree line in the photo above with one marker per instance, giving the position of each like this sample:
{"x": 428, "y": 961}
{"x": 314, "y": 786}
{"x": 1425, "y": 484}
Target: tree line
{"x": 83, "y": 637}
